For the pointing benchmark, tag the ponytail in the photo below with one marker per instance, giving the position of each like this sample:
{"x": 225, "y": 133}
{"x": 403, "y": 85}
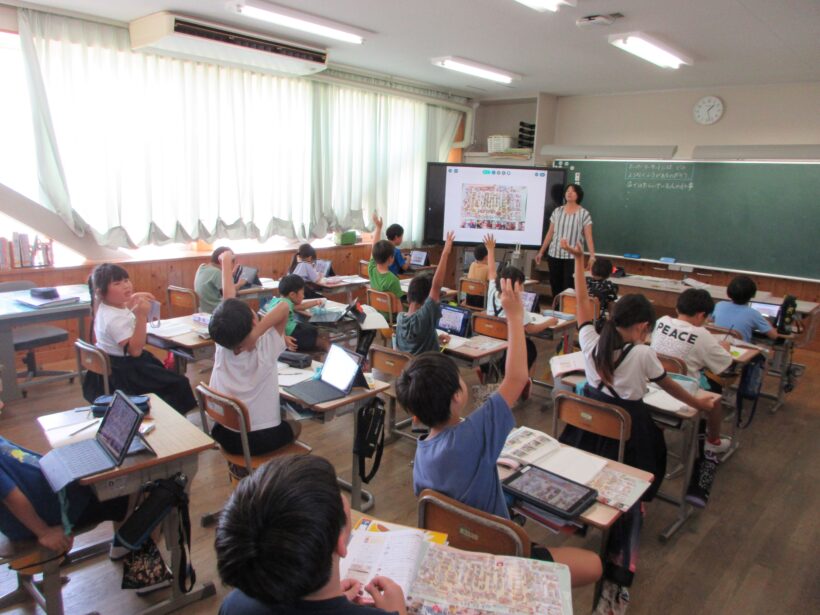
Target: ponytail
{"x": 293, "y": 263}
{"x": 629, "y": 310}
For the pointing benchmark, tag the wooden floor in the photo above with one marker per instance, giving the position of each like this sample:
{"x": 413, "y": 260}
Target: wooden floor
{"x": 755, "y": 549}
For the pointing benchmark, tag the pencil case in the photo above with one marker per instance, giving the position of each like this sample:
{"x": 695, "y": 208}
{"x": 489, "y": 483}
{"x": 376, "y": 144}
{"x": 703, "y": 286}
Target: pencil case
{"x": 100, "y": 405}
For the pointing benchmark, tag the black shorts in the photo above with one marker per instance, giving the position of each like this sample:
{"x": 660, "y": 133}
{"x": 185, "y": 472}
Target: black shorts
{"x": 306, "y": 335}
{"x": 260, "y": 441}
{"x": 540, "y": 553}
{"x": 96, "y": 512}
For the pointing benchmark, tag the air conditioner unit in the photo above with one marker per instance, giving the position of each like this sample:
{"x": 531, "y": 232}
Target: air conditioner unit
{"x": 188, "y": 38}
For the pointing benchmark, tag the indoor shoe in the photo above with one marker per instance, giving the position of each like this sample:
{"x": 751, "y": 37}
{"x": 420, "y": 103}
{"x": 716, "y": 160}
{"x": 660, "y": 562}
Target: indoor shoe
{"x": 717, "y": 449}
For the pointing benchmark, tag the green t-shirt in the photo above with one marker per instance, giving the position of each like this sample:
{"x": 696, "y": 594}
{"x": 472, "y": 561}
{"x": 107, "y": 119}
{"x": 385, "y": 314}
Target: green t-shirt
{"x": 291, "y": 324}
{"x": 208, "y": 285}
{"x": 385, "y": 282}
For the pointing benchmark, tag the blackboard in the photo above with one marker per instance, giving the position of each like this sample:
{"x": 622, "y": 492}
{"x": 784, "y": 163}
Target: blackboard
{"x": 758, "y": 217}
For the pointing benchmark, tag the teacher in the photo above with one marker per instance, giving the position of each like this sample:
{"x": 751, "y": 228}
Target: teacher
{"x": 573, "y": 223}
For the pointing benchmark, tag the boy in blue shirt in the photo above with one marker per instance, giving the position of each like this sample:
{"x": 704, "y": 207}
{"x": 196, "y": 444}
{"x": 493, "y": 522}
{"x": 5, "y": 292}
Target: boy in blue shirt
{"x": 458, "y": 458}
{"x": 395, "y": 235}
{"x": 738, "y": 315}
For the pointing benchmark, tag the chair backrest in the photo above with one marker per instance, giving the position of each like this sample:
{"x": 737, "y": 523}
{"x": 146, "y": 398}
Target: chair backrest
{"x": 722, "y": 332}
{"x": 491, "y": 326}
{"x": 387, "y": 303}
{"x": 92, "y": 359}
{"x": 809, "y": 323}
{"x": 605, "y": 420}
{"x": 568, "y": 303}
{"x": 7, "y": 287}
{"x": 470, "y": 529}
{"x": 477, "y": 288}
{"x": 363, "y": 272}
{"x": 673, "y": 365}
{"x": 389, "y": 361}
{"x": 182, "y": 301}
{"x": 228, "y": 412}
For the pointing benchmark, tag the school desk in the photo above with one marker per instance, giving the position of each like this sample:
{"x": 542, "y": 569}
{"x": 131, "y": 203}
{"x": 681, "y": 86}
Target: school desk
{"x": 14, "y": 314}
{"x": 686, "y": 421}
{"x": 360, "y": 499}
{"x": 342, "y": 284}
{"x": 177, "y": 443}
{"x": 181, "y": 336}
{"x": 447, "y": 294}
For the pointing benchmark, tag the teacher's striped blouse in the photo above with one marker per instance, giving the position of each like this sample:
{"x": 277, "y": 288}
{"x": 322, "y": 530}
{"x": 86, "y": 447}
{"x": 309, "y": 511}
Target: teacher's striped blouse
{"x": 567, "y": 226}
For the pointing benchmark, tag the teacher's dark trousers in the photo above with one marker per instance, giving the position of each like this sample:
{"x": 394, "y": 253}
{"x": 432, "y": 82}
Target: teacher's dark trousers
{"x": 561, "y": 274}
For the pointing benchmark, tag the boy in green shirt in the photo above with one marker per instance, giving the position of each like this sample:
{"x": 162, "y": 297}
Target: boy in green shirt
{"x": 378, "y": 269}
{"x": 306, "y": 335}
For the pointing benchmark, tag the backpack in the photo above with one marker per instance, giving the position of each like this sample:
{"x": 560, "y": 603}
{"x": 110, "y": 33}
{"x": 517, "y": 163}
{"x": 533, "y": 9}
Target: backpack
{"x": 751, "y": 382}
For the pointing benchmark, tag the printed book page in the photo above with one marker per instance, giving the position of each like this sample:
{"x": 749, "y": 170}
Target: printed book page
{"x": 455, "y": 340}
{"x": 527, "y": 446}
{"x": 617, "y": 489}
{"x": 563, "y": 364}
{"x": 465, "y": 583}
{"x": 663, "y": 400}
{"x": 366, "y": 524}
{"x": 390, "y": 554}
{"x": 482, "y": 342}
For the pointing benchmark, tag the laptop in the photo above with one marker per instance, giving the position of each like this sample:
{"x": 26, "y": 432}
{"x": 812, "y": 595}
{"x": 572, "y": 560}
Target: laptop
{"x": 454, "y": 320}
{"x": 324, "y": 267}
{"x": 332, "y": 316}
{"x": 530, "y": 301}
{"x": 338, "y": 375}
{"x": 249, "y": 274}
{"x": 418, "y": 259}
{"x": 768, "y": 310}
{"x": 106, "y": 451}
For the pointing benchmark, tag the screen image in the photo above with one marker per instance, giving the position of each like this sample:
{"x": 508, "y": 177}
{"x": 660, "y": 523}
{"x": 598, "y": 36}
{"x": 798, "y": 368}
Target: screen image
{"x": 119, "y": 421}
{"x": 340, "y": 368}
{"x": 512, "y": 203}
{"x": 767, "y": 309}
{"x": 550, "y": 489}
{"x": 452, "y": 321}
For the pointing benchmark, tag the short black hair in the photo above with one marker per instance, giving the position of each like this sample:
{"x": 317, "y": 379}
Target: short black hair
{"x": 290, "y": 283}
{"x": 426, "y": 387}
{"x": 480, "y": 252}
{"x": 419, "y": 288}
{"x": 513, "y": 274}
{"x": 741, "y": 289}
{"x": 278, "y": 531}
{"x": 102, "y": 277}
{"x": 231, "y": 322}
{"x": 602, "y": 268}
{"x": 579, "y": 192}
{"x": 216, "y": 254}
{"x": 393, "y": 231}
{"x": 693, "y": 301}
{"x": 383, "y": 251}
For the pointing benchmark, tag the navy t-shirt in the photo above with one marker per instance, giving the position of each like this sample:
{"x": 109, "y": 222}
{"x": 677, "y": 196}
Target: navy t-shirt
{"x": 239, "y": 603}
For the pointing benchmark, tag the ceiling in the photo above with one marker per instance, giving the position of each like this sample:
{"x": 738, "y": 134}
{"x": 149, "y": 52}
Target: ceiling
{"x": 732, "y": 42}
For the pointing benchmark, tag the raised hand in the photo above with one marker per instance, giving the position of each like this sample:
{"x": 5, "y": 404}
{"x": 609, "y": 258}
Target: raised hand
{"x": 511, "y": 300}
{"x": 489, "y": 241}
{"x": 448, "y": 243}
{"x": 577, "y": 250}
{"x": 377, "y": 220}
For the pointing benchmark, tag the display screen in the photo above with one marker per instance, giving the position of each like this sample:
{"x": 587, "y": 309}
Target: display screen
{"x": 553, "y": 490}
{"x": 512, "y": 203}
{"x": 340, "y": 368}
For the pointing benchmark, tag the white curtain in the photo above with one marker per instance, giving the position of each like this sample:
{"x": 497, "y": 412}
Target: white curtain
{"x": 147, "y": 149}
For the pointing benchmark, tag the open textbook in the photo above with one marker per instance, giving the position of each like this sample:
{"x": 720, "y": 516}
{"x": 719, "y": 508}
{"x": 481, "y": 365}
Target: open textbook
{"x": 616, "y": 489}
{"x": 439, "y": 579}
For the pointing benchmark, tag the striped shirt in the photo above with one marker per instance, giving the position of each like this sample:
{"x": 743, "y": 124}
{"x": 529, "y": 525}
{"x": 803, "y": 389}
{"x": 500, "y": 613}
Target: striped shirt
{"x": 567, "y": 226}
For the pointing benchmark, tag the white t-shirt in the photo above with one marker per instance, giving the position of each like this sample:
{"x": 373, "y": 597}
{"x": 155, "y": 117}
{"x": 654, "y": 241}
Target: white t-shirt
{"x": 494, "y": 307}
{"x": 640, "y": 366}
{"x": 252, "y": 377}
{"x": 112, "y": 326}
{"x": 695, "y": 345}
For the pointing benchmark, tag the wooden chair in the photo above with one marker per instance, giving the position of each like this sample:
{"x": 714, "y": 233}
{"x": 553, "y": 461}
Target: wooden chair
{"x": 363, "y": 269}
{"x": 673, "y": 365}
{"x": 182, "y": 301}
{"x": 94, "y": 360}
{"x": 568, "y": 303}
{"x": 491, "y": 326}
{"x": 471, "y": 529}
{"x": 596, "y": 417}
{"x": 722, "y": 332}
{"x": 478, "y": 288}
{"x": 25, "y": 559}
{"x": 392, "y": 363}
{"x": 389, "y": 305}
{"x": 233, "y": 414}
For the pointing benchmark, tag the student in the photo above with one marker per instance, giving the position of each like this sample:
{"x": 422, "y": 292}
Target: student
{"x": 416, "y": 328}
{"x": 304, "y": 265}
{"x": 458, "y": 458}
{"x": 306, "y": 335}
{"x": 378, "y": 269}
{"x": 478, "y": 271}
{"x": 618, "y": 367}
{"x": 494, "y": 307}
{"x": 395, "y": 235}
{"x": 738, "y": 315}
{"x": 31, "y": 510}
{"x": 599, "y": 285}
{"x": 245, "y": 367}
{"x": 214, "y": 280}
{"x": 120, "y": 318}
{"x": 279, "y": 541}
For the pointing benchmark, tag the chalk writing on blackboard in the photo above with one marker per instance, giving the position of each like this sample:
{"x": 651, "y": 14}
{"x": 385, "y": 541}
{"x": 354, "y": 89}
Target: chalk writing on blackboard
{"x": 675, "y": 171}
{"x": 677, "y": 186}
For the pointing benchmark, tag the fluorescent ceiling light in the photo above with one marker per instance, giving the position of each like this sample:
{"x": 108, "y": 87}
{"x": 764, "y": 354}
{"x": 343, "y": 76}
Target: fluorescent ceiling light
{"x": 303, "y": 22}
{"x": 476, "y": 69}
{"x": 649, "y": 49}
{"x": 547, "y": 5}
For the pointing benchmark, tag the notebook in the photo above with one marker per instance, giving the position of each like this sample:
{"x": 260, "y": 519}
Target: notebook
{"x": 338, "y": 374}
{"x": 107, "y": 450}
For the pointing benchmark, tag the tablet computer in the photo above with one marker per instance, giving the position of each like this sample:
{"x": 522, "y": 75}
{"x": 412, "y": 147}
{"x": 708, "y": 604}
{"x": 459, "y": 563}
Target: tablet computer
{"x": 557, "y": 495}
